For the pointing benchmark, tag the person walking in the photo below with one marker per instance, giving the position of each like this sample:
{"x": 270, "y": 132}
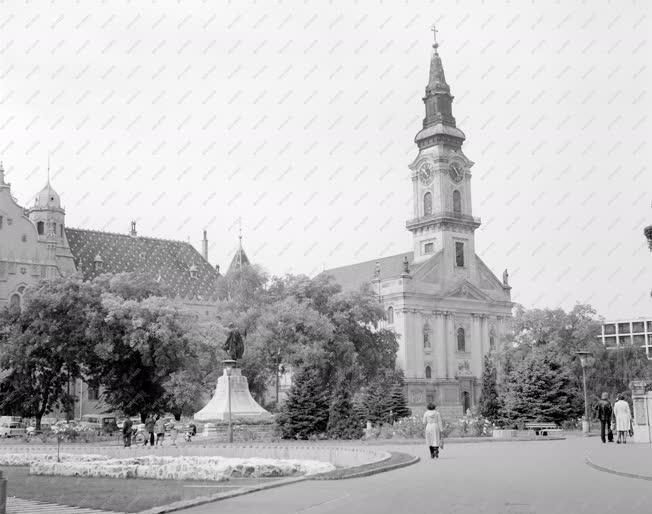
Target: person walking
{"x": 433, "y": 422}
{"x": 149, "y": 430}
{"x": 603, "y": 412}
{"x": 159, "y": 429}
{"x": 623, "y": 418}
{"x": 127, "y": 425}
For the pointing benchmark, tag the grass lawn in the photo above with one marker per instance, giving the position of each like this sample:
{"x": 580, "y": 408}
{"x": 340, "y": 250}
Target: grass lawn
{"x": 121, "y": 495}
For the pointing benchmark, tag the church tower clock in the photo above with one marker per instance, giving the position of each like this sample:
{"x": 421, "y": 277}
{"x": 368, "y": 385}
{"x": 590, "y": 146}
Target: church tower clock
{"x": 441, "y": 180}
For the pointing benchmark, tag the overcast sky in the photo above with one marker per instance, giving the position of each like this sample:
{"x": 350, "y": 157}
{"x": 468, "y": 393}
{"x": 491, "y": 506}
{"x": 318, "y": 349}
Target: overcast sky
{"x": 300, "y": 118}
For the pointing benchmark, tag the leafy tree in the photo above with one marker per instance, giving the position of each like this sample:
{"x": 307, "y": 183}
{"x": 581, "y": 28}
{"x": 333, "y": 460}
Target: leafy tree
{"x": 343, "y": 422}
{"x": 305, "y": 411}
{"x": 541, "y": 388}
{"x": 44, "y": 346}
{"x": 490, "y": 405}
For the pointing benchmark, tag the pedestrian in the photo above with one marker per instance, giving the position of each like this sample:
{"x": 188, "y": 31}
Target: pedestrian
{"x": 604, "y": 412}
{"x": 432, "y": 419}
{"x": 159, "y": 429}
{"x": 149, "y": 430}
{"x": 623, "y": 418}
{"x": 174, "y": 433}
{"x": 127, "y": 425}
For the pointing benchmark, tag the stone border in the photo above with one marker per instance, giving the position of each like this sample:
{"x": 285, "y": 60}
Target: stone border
{"x": 616, "y": 472}
{"x": 365, "y": 471}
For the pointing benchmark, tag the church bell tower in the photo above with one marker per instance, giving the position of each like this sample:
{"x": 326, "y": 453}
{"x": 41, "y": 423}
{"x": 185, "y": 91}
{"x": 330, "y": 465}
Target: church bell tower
{"x": 442, "y": 218}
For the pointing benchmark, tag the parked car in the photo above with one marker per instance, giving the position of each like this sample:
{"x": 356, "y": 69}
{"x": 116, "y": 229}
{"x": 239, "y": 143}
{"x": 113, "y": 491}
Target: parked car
{"x": 99, "y": 423}
{"x": 12, "y": 429}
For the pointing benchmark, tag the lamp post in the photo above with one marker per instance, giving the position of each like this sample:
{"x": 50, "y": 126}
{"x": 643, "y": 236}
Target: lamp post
{"x": 584, "y": 355}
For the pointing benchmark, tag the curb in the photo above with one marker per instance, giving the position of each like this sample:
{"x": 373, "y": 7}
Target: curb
{"x": 369, "y": 472}
{"x": 470, "y": 440}
{"x": 615, "y": 472}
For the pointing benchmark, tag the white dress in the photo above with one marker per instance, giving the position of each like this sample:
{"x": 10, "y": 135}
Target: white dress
{"x": 432, "y": 418}
{"x": 623, "y": 415}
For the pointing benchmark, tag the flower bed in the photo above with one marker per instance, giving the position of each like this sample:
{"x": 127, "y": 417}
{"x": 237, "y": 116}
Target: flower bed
{"x": 217, "y": 469}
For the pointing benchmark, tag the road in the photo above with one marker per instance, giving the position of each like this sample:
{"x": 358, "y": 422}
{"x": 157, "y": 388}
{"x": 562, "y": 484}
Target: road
{"x": 508, "y": 477}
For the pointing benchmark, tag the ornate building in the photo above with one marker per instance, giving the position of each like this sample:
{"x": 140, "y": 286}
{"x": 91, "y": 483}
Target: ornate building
{"x": 447, "y": 307}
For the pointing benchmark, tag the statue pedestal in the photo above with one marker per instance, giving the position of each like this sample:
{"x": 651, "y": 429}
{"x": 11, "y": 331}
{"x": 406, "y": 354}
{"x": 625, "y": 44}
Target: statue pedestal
{"x": 642, "y": 412}
{"x": 242, "y": 403}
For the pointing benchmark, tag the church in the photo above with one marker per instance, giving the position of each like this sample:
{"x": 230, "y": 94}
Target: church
{"x": 446, "y": 306}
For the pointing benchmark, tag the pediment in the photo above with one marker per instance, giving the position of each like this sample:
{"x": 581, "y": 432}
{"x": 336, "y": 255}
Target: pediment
{"x": 468, "y": 291}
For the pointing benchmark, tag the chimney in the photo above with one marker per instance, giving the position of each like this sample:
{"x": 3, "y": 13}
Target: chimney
{"x": 133, "y": 232}
{"x": 204, "y": 246}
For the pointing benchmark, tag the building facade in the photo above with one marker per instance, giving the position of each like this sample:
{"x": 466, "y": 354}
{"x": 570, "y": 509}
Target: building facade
{"x": 447, "y": 307}
{"x": 628, "y": 332}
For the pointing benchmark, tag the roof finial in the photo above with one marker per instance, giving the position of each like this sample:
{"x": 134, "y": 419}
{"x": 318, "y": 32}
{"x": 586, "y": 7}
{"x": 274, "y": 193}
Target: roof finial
{"x": 434, "y": 34}
{"x": 240, "y": 230}
{"x": 48, "y": 168}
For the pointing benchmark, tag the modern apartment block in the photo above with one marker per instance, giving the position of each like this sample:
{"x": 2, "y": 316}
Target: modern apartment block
{"x": 636, "y": 332}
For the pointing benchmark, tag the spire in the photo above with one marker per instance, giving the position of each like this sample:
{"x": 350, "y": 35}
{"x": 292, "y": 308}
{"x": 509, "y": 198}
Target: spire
{"x": 437, "y": 79}
{"x": 240, "y": 258}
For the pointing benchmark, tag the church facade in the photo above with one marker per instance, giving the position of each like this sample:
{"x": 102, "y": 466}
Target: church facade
{"x": 446, "y": 306}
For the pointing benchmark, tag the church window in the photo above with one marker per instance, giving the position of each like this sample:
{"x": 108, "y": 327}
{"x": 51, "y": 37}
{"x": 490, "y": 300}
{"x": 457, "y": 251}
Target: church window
{"x": 428, "y": 372}
{"x": 14, "y": 301}
{"x": 428, "y": 248}
{"x": 461, "y": 340}
{"x": 427, "y": 204}
{"x": 457, "y": 202}
{"x": 459, "y": 254}
{"x": 390, "y": 315}
{"x": 40, "y": 228}
{"x": 426, "y": 336}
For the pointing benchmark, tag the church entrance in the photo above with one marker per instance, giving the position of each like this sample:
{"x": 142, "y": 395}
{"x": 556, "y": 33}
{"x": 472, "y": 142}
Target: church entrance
{"x": 466, "y": 401}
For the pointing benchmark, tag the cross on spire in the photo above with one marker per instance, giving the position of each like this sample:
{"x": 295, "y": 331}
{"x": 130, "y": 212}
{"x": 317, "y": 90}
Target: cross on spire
{"x": 434, "y": 35}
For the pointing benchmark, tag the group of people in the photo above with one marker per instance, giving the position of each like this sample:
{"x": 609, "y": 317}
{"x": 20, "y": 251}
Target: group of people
{"x": 154, "y": 431}
{"x": 618, "y": 417}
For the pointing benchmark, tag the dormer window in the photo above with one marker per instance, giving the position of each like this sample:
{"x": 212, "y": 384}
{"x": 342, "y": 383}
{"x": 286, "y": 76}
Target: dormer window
{"x": 98, "y": 263}
{"x": 193, "y": 271}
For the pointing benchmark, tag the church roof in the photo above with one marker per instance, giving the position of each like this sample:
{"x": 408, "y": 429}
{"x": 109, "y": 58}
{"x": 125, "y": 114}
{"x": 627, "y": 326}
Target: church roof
{"x": 177, "y": 265}
{"x": 239, "y": 260}
{"x": 47, "y": 198}
{"x": 352, "y": 277}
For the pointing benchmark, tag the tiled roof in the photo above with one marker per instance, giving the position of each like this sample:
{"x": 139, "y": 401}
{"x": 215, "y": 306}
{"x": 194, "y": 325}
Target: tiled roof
{"x": 352, "y": 277}
{"x": 239, "y": 259}
{"x": 168, "y": 261}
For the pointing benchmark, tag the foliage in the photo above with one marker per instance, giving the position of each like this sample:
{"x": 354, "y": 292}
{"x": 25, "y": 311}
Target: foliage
{"x": 342, "y": 420}
{"x": 474, "y": 424}
{"x": 490, "y": 404}
{"x": 44, "y": 346}
{"x": 305, "y": 411}
{"x": 540, "y": 387}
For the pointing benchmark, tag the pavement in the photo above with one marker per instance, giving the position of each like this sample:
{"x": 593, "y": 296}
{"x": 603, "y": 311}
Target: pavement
{"x": 630, "y": 460}
{"x": 522, "y": 477}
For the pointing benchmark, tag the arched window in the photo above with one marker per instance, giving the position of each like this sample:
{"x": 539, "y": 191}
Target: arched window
{"x": 492, "y": 340}
{"x": 14, "y": 301}
{"x": 428, "y": 372}
{"x": 40, "y": 228}
{"x": 457, "y": 202}
{"x": 461, "y": 340}
{"x": 426, "y": 336}
{"x": 427, "y": 204}
{"x": 390, "y": 315}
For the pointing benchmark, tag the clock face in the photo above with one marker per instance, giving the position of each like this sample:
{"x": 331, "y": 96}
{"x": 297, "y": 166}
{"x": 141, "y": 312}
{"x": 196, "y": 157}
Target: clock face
{"x": 426, "y": 173}
{"x": 456, "y": 172}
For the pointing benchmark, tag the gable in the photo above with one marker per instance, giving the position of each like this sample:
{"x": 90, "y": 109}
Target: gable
{"x": 429, "y": 271}
{"x": 487, "y": 279}
{"x": 468, "y": 291}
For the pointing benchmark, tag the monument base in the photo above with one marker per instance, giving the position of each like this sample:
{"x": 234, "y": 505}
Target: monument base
{"x": 243, "y": 406}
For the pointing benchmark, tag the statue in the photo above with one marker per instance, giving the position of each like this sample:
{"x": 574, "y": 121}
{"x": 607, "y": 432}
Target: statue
{"x": 377, "y": 270}
{"x": 505, "y": 278}
{"x": 234, "y": 344}
{"x": 406, "y": 266}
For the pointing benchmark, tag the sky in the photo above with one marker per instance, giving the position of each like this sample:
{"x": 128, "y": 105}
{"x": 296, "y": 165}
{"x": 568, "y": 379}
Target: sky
{"x": 298, "y": 118}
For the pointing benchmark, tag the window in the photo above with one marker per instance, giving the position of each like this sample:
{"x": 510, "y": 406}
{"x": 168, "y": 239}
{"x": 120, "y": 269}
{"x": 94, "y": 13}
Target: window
{"x": 428, "y": 248}
{"x": 623, "y": 328}
{"x": 390, "y": 315}
{"x": 459, "y": 254}
{"x": 40, "y": 228}
{"x": 14, "y": 301}
{"x": 610, "y": 329}
{"x": 638, "y": 326}
{"x": 461, "y": 340}
{"x": 426, "y": 336}
{"x": 427, "y": 204}
{"x": 457, "y": 202}
{"x": 93, "y": 393}
{"x": 428, "y": 372}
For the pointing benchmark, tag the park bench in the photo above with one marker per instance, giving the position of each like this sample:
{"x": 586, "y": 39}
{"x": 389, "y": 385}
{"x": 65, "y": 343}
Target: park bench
{"x": 543, "y": 429}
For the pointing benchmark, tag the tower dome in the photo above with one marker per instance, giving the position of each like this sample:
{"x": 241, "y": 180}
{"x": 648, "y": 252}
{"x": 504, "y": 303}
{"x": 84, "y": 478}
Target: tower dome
{"x": 47, "y": 198}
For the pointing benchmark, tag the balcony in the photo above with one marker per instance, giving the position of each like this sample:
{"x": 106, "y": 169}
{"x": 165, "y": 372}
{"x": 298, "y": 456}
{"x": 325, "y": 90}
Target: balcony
{"x": 444, "y": 217}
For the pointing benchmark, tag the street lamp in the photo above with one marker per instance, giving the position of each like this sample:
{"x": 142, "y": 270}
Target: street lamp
{"x": 584, "y": 355}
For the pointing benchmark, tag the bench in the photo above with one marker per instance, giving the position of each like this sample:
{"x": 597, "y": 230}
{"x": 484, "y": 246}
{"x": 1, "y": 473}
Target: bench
{"x": 543, "y": 429}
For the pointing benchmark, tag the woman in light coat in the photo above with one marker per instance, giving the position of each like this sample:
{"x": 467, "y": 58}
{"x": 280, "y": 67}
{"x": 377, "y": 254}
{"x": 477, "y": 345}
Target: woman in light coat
{"x": 623, "y": 417}
{"x": 433, "y": 422}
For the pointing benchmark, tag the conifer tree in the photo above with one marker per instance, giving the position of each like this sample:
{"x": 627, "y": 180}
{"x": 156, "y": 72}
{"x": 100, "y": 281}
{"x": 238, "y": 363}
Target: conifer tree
{"x": 489, "y": 400}
{"x": 397, "y": 400}
{"x": 305, "y": 411}
{"x": 343, "y": 421}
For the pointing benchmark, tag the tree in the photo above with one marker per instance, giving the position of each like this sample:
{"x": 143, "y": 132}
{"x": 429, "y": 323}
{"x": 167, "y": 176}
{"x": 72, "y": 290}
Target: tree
{"x": 305, "y": 411}
{"x": 541, "y": 388}
{"x": 397, "y": 400}
{"x": 44, "y": 346}
{"x": 490, "y": 405}
{"x": 343, "y": 422}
